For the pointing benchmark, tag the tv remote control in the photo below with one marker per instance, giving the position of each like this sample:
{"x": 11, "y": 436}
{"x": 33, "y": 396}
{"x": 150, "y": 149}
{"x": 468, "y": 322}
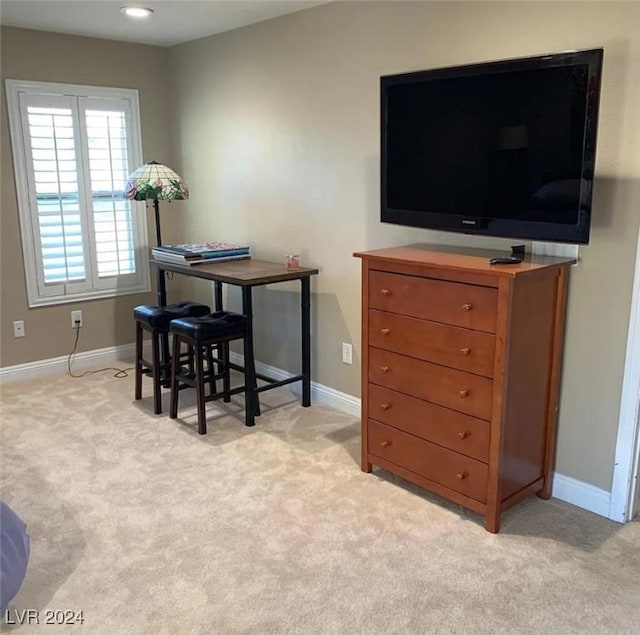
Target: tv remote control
{"x": 505, "y": 260}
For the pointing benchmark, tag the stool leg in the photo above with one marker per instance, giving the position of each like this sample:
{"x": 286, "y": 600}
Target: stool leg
{"x": 175, "y": 368}
{"x": 202, "y": 415}
{"x": 250, "y": 395}
{"x": 164, "y": 360}
{"x": 211, "y": 369}
{"x": 192, "y": 368}
{"x": 138, "y": 372}
{"x": 226, "y": 371}
{"x": 156, "y": 371}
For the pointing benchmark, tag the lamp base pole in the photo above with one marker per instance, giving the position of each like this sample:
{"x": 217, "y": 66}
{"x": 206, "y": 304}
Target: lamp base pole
{"x": 165, "y": 377}
{"x": 162, "y": 285}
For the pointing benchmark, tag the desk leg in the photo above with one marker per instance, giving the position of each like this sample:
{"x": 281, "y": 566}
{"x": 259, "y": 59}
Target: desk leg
{"x": 218, "y": 295}
{"x": 306, "y": 340}
{"x": 247, "y": 310}
{"x": 223, "y": 349}
{"x": 165, "y": 375}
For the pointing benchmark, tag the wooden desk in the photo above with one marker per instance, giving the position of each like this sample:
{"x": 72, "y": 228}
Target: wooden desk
{"x": 247, "y": 274}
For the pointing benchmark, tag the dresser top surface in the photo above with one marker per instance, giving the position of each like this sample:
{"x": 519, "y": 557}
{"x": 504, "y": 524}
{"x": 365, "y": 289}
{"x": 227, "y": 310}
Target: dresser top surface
{"x": 461, "y": 258}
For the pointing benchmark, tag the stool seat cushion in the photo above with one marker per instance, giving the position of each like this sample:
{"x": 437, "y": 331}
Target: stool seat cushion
{"x": 218, "y": 324}
{"x": 159, "y": 317}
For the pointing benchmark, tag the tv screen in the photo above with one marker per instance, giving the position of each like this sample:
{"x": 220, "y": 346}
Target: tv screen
{"x": 501, "y": 148}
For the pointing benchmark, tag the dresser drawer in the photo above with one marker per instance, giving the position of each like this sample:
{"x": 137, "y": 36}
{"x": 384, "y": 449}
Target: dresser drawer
{"x": 448, "y": 345}
{"x": 448, "y": 387}
{"x": 465, "y": 305}
{"x": 448, "y": 468}
{"x": 446, "y": 427}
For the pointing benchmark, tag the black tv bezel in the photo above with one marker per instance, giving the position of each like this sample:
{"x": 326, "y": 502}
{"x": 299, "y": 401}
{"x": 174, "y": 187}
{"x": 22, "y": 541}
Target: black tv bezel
{"x": 486, "y": 225}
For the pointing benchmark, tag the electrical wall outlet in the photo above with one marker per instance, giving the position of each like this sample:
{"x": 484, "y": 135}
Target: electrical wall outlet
{"x": 76, "y": 319}
{"x": 18, "y": 328}
{"x": 347, "y": 353}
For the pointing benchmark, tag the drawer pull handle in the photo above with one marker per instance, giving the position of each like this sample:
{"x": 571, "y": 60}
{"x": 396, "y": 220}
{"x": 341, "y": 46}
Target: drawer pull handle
{"x": 465, "y": 351}
{"x": 385, "y": 291}
{"x": 467, "y": 306}
{"x": 385, "y": 406}
{"x": 385, "y": 444}
{"x": 463, "y": 394}
{"x": 385, "y": 331}
{"x": 461, "y": 476}
{"x": 462, "y": 435}
{"x": 385, "y": 369}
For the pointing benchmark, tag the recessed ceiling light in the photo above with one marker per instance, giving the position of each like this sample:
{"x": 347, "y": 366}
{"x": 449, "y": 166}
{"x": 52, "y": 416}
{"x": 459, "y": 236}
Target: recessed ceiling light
{"x": 136, "y": 12}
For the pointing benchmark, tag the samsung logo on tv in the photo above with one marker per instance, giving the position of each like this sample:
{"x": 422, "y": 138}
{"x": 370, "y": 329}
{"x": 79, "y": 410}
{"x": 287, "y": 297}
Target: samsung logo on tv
{"x": 469, "y": 222}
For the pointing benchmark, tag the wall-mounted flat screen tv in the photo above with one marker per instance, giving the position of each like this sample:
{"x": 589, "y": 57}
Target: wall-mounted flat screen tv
{"x": 501, "y": 148}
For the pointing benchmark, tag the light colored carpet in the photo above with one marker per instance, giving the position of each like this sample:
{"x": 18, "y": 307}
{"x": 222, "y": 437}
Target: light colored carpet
{"x": 151, "y": 529}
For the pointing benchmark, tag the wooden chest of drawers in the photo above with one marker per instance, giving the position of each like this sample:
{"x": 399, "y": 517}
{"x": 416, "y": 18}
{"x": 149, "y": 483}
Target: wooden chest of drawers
{"x": 460, "y": 372}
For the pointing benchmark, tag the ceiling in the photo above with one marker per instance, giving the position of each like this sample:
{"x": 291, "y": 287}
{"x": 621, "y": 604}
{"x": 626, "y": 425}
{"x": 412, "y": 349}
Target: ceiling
{"x": 172, "y": 22}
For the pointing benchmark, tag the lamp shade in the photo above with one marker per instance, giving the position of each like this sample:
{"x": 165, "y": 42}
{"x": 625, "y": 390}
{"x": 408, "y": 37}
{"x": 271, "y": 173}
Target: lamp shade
{"x": 154, "y": 181}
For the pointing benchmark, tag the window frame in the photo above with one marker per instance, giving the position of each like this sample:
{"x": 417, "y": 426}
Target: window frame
{"x": 28, "y": 212}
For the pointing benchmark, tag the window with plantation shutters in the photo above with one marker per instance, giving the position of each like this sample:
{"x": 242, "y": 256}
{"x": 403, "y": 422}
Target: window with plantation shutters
{"x": 73, "y": 148}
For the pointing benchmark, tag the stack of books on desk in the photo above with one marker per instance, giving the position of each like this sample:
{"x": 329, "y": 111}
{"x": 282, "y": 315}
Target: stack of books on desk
{"x": 194, "y": 253}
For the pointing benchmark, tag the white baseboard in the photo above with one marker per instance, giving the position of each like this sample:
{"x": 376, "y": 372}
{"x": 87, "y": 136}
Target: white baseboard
{"x": 581, "y": 494}
{"x": 565, "y": 488}
{"x": 81, "y": 361}
{"x": 319, "y": 393}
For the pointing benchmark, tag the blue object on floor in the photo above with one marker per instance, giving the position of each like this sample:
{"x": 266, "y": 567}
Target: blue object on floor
{"x": 14, "y": 553}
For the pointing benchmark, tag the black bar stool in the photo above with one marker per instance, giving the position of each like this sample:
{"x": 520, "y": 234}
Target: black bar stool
{"x": 201, "y": 335}
{"x": 156, "y": 320}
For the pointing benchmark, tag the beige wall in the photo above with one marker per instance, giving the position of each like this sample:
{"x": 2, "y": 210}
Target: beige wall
{"x": 277, "y": 125}
{"x": 35, "y": 55}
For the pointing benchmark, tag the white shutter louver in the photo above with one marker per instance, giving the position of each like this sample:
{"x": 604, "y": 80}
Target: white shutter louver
{"x": 55, "y": 174}
{"x": 108, "y": 168}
